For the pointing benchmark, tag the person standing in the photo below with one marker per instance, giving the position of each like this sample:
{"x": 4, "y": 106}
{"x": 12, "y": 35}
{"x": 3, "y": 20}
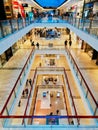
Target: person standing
{"x": 18, "y": 15}
{"x": 65, "y": 42}
{"x": 70, "y": 43}
{"x": 30, "y": 81}
{"x": 37, "y": 45}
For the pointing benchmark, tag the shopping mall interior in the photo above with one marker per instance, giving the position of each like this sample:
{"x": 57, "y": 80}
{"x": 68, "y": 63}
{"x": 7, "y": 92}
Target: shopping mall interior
{"x": 49, "y": 64}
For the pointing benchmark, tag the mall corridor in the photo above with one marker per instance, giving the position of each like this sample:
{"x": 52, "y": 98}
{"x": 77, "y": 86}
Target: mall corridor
{"x": 49, "y": 65}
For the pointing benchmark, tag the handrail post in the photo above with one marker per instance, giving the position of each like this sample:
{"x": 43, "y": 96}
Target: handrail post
{"x": 81, "y": 81}
{"x": 20, "y": 82}
{"x": 10, "y": 21}
{"x": 86, "y": 94}
{"x": 78, "y": 22}
{"x": 15, "y": 93}
{"x": 90, "y": 25}
{"x": 2, "y": 32}
{"x": 95, "y": 111}
{"x": 18, "y": 23}
{"x": 7, "y": 111}
{"x": 24, "y": 122}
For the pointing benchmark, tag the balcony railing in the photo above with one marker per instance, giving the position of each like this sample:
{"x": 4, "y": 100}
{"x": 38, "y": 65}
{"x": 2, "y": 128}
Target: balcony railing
{"x": 8, "y": 27}
{"x": 89, "y": 26}
{"x": 12, "y": 95}
{"x": 87, "y": 91}
{"x": 47, "y": 118}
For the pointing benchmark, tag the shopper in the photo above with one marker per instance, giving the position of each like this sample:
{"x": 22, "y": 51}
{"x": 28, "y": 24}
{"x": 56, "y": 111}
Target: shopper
{"x": 33, "y": 44}
{"x": 23, "y": 93}
{"x": 57, "y": 111}
{"x": 65, "y": 42}
{"x": 18, "y": 15}
{"x": 70, "y": 43}
{"x": 37, "y": 45}
{"x": 27, "y": 82}
{"x": 30, "y": 81}
{"x": 26, "y": 91}
{"x": 19, "y": 104}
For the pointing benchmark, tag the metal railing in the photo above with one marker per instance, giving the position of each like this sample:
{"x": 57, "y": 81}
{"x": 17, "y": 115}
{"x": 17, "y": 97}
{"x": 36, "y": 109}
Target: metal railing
{"x": 8, "y": 27}
{"x": 89, "y": 26}
{"x": 28, "y": 100}
{"x": 13, "y": 92}
{"x": 88, "y": 93}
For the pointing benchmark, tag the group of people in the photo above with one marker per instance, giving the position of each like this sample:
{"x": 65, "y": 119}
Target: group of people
{"x": 29, "y": 81}
{"x": 25, "y": 91}
{"x": 32, "y": 44}
{"x": 70, "y": 43}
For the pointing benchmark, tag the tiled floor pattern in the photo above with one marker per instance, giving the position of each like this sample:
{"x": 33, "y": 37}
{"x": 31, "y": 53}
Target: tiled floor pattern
{"x": 42, "y": 103}
{"x": 10, "y": 72}
{"x": 87, "y": 66}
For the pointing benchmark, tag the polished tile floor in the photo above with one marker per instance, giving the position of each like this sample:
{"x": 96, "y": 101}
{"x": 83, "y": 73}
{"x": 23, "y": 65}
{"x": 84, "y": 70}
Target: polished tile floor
{"x": 10, "y": 72}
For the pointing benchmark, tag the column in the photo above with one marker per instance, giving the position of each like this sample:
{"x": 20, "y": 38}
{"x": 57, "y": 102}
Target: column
{"x": 97, "y": 59}
{"x": 95, "y": 54}
{"x": 2, "y": 10}
{"x": 82, "y": 44}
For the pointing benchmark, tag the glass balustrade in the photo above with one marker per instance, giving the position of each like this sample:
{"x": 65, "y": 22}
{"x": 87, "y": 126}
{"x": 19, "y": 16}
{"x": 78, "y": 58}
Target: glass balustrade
{"x": 85, "y": 88}
{"x": 8, "y": 27}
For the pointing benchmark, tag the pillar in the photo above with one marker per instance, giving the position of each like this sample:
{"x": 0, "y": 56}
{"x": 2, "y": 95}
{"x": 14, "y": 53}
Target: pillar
{"x": 2, "y": 10}
{"x": 95, "y": 54}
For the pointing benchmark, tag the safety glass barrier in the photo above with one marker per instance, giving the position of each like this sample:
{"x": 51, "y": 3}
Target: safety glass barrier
{"x": 14, "y": 25}
{"x": 37, "y": 120}
{"x": 20, "y": 23}
{"x": 86, "y": 89}
{"x": 87, "y": 25}
{"x": 27, "y": 21}
{"x": 1, "y": 33}
{"x": 17, "y": 88}
{"x": 71, "y": 97}
{"x": 6, "y": 27}
{"x": 94, "y": 28}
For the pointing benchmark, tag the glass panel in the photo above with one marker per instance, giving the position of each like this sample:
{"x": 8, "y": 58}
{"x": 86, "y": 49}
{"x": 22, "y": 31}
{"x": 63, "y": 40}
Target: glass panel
{"x": 94, "y": 29}
{"x": 0, "y": 34}
{"x": 17, "y": 86}
{"x": 92, "y": 103}
{"x": 86, "y": 25}
{"x": 87, "y": 121}
{"x": 20, "y": 23}
{"x": 10, "y": 103}
{"x": 81, "y": 24}
{"x": 84, "y": 87}
{"x": 27, "y": 21}
{"x": 14, "y": 25}
{"x": 6, "y": 27}
{"x": 15, "y": 121}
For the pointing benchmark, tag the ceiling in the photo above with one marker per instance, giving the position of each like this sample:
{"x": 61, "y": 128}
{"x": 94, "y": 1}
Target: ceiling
{"x": 50, "y": 3}
{"x": 59, "y": 4}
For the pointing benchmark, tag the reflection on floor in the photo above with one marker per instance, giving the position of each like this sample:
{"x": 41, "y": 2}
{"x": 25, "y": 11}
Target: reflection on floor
{"x": 49, "y": 101}
{"x": 87, "y": 66}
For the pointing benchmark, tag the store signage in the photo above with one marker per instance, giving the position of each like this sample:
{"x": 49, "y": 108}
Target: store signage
{"x": 15, "y": 4}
